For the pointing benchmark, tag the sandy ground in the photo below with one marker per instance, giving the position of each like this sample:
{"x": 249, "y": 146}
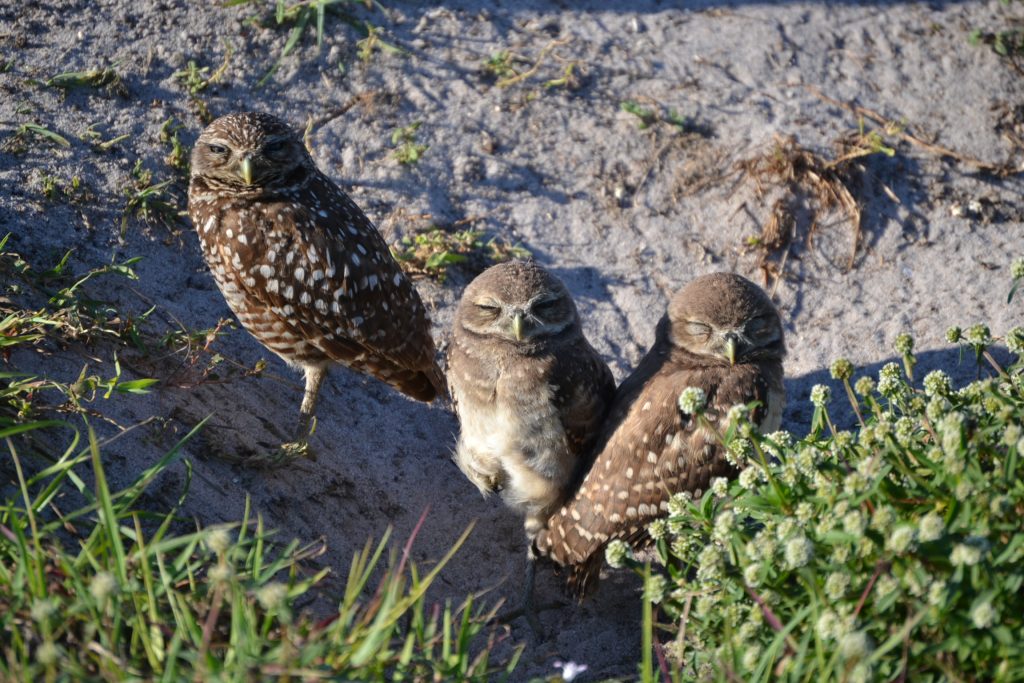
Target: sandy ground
{"x": 623, "y": 215}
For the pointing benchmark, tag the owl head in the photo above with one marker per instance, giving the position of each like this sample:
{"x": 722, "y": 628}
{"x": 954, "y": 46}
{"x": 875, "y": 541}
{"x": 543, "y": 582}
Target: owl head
{"x": 724, "y": 318}
{"x": 248, "y": 150}
{"x": 518, "y": 302}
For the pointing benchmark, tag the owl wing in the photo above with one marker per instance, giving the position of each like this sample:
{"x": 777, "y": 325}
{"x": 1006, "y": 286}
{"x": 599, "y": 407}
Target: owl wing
{"x": 341, "y": 287}
{"x": 653, "y": 453}
{"x": 473, "y": 378}
{"x": 371, "y": 282}
{"x": 584, "y": 392}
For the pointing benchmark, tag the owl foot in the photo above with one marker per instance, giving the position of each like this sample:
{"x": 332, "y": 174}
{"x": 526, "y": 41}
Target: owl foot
{"x": 270, "y": 456}
{"x": 527, "y": 609}
{"x": 292, "y": 450}
{"x": 263, "y": 455}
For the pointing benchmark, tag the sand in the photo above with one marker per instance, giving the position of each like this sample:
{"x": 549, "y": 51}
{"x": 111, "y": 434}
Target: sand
{"x": 624, "y": 215}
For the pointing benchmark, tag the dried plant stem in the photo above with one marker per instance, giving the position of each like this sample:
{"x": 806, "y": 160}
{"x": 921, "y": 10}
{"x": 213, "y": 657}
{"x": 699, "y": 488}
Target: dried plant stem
{"x": 1001, "y": 170}
{"x": 512, "y": 80}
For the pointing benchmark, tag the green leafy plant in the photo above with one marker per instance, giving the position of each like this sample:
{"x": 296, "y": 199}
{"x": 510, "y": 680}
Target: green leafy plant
{"x": 54, "y": 187}
{"x": 1008, "y": 44}
{"x": 177, "y": 158}
{"x": 864, "y": 142}
{"x": 407, "y": 150}
{"x": 1017, "y": 273}
{"x": 134, "y": 596}
{"x": 366, "y": 47}
{"x": 435, "y": 250}
{"x": 299, "y": 15}
{"x": 648, "y": 116}
{"x": 503, "y": 68}
{"x": 107, "y": 78}
{"x": 891, "y": 553}
{"x": 196, "y": 79}
{"x": 67, "y": 311}
{"x": 95, "y": 138}
{"x": 18, "y": 142}
{"x": 501, "y": 65}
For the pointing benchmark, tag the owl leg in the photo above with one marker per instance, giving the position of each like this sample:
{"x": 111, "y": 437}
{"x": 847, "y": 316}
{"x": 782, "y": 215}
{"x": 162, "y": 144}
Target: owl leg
{"x": 314, "y": 378}
{"x": 526, "y": 608}
{"x": 529, "y": 609}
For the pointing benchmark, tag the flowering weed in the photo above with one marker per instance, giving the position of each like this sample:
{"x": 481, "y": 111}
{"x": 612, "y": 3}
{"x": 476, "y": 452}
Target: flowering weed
{"x": 889, "y": 554}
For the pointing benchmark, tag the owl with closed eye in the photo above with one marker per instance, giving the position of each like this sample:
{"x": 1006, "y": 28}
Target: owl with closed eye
{"x": 529, "y": 390}
{"x": 722, "y": 335}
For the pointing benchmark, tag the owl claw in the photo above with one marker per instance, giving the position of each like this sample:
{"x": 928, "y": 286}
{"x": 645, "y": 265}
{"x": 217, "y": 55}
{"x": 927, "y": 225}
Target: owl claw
{"x": 292, "y": 450}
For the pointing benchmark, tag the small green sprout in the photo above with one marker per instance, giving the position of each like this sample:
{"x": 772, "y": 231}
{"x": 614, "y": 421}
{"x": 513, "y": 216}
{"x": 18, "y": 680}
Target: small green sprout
{"x": 366, "y": 47}
{"x": 407, "y": 150}
{"x": 647, "y": 117}
{"x": 500, "y": 65}
{"x": 107, "y": 78}
{"x": 18, "y": 142}
{"x": 178, "y": 157}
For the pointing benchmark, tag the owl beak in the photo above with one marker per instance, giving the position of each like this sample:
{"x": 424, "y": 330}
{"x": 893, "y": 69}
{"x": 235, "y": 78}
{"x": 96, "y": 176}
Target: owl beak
{"x": 731, "y": 341}
{"x": 245, "y": 168}
{"x": 517, "y": 325}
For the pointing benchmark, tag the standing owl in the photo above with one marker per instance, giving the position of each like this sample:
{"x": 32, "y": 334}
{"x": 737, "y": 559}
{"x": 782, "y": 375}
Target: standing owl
{"x": 301, "y": 266}
{"x": 530, "y": 392}
{"x": 721, "y": 334}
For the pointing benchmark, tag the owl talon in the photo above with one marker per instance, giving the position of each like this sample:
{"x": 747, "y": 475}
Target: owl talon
{"x": 292, "y": 450}
{"x": 264, "y": 456}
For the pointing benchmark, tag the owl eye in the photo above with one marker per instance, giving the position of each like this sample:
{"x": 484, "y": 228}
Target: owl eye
{"x": 761, "y": 328}
{"x": 488, "y": 309}
{"x": 545, "y": 305}
{"x": 217, "y": 149}
{"x": 274, "y": 147}
{"x": 695, "y": 329}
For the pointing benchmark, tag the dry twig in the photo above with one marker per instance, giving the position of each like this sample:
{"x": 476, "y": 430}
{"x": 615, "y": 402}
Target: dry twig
{"x": 1000, "y": 170}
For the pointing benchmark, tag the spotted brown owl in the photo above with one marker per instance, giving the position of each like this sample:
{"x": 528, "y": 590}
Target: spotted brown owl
{"x": 301, "y": 266}
{"x": 722, "y": 335}
{"x": 530, "y": 392}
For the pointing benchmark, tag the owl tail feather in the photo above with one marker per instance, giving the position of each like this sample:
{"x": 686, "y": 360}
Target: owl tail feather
{"x": 422, "y": 385}
{"x": 438, "y": 381}
{"x": 585, "y": 577}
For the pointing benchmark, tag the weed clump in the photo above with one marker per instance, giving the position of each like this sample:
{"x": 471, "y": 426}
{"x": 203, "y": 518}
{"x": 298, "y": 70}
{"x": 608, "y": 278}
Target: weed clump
{"x": 434, "y": 251}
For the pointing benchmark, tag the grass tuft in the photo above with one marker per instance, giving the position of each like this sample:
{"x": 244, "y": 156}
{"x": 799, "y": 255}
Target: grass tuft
{"x": 149, "y": 201}
{"x": 20, "y": 141}
{"x": 94, "y": 588}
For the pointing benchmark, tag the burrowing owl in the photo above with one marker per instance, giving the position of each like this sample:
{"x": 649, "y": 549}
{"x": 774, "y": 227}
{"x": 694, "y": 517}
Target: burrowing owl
{"x": 530, "y": 392}
{"x": 300, "y": 265}
{"x": 722, "y": 335}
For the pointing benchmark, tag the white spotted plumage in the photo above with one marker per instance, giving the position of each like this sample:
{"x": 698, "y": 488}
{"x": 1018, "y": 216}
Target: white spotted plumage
{"x": 722, "y": 335}
{"x": 272, "y": 226}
